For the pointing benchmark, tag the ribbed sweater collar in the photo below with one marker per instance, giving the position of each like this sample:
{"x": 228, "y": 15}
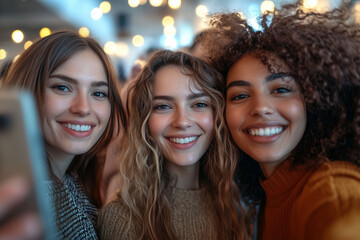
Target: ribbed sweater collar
{"x": 282, "y": 181}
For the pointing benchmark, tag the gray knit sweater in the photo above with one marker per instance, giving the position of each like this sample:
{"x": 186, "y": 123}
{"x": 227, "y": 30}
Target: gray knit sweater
{"x": 193, "y": 217}
{"x": 76, "y": 215}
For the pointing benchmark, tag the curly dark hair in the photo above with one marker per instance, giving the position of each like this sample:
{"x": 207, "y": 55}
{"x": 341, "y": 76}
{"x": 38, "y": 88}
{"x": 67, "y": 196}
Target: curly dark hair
{"x": 322, "y": 51}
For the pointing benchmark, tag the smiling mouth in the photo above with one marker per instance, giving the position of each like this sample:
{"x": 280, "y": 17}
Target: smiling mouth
{"x": 265, "y": 132}
{"x": 185, "y": 140}
{"x": 77, "y": 127}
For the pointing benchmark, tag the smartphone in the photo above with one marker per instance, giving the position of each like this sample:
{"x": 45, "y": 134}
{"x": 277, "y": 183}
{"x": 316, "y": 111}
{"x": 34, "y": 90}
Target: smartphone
{"x": 22, "y": 152}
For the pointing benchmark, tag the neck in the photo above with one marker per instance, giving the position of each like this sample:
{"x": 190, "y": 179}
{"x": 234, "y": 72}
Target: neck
{"x": 59, "y": 161}
{"x": 187, "y": 177}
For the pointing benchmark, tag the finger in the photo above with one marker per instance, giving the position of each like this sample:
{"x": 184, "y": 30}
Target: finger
{"x": 12, "y": 192}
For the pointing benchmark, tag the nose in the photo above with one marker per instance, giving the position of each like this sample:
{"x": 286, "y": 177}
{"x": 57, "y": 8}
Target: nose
{"x": 80, "y": 105}
{"x": 182, "y": 119}
{"x": 261, "y": 106}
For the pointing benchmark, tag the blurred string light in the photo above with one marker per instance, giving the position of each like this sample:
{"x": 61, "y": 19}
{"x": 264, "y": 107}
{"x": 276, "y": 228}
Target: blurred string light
{"x": 2, "y": 54}
{"x": 174, "y": 4}
{"x": 105, "y": 7}
{"x": 44, "y": 32}
{"x": 357, "y": 11}
{"x": 17, "y": 36}
{"x": 122, "y": 49}
{"x": 142, "y": 2}
{"x": 27, "y": 44}
{"x": 133, "y": 3}
{"x": 110, "y": 48}
{"x": 84, "y": 32}
{"x": 310, "y": 4}
{"x": 170, "y": 43}
{"x": 168, "y": 21}
{"x": 138, "y": 41}
{"x": 242, "y": 15}
{"x": 96, "y": 13}
{"x": 140, "y": 62}
{"x": 267, "y": 6}
{"x": 169, "y": 31}
{"x": 156, "y": 3}
{"x": 201, "y": 11}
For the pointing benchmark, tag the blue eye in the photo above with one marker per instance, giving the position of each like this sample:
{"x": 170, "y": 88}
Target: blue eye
{"x": 61, "y": 88}
{"x": 100, "y": 94}
{"x": 161, "y": 107}
{"x": 200, "y": 105}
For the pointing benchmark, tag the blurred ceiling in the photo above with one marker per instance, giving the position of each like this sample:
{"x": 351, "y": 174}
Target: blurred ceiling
{"x": 120, "y": 24}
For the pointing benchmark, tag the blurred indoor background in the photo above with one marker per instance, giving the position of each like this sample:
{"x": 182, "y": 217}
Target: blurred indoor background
{"x": 125, "y": 28}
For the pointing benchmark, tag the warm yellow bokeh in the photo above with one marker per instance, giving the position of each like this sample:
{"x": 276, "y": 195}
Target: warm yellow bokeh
{"x": 44, "y": 32}
{"x": 17, "y": 36}
{"x": 84, "y": 32}
{"x": 110, "y": 48}
{"x": 27, "y": 44}
{"x": 156, "y": 3}
{"x": 267, "y": 6}
{"x": 138, "y": 40}
{"x": 168, "y": 21}
{"x": 201, "y": 11}
{"x": 2, "y": 54}
{"x": 122, "y": 49}
{"x": 105, "y": 7}
{"x": 174, "y": 4}
{"x": 133, "y": 3}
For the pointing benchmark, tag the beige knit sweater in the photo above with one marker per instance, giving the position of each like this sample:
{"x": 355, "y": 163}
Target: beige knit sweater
{"x": 194, "y": 217}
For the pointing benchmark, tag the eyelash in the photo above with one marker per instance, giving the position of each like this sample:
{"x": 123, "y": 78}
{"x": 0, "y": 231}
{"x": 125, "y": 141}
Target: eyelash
{"x": 201, "y": 105}
{"x": 282, "y": 90}
{"x": 161, "y": 107}
{"x": 103, "y": 94}
{"x": 61, "y": 88}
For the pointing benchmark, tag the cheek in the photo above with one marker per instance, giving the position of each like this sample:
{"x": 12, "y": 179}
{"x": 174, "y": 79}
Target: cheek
{"x": 233, "y": 118}
{"x": 296, "y": 112}
{"x": 207, "y": 122}
{"x": 154, "y": 125}
{"x": 53, "y": 106}
{"x": 103, "y": 111}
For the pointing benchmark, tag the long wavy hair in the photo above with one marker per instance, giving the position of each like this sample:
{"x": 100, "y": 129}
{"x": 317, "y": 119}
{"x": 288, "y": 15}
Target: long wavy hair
{"x": 322, "y": 51}
{"x": 144, "y": 177}
{"x": 32, "y": 70}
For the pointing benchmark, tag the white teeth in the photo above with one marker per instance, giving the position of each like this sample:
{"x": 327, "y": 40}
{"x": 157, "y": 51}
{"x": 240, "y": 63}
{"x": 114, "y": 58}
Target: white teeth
{"x": 269, "y": 131}
{"x": 77, "y": 127}
{"x": 183, "y": 140}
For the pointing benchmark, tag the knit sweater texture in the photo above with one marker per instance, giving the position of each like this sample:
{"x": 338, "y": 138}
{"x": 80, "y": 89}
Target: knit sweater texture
{"x": 75, "y": 215}
{"x": 302, "y": 204}
{"x": 193, "y": 217}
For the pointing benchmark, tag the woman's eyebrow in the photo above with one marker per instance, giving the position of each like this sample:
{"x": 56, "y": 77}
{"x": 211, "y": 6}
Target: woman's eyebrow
{"x": 269, "y": 78}
{"x": 274, "y": 76}
{"x": 74, "y": 81}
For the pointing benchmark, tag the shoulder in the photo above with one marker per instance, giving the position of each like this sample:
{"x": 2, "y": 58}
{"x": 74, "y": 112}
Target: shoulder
{"x": 331, "y": 192}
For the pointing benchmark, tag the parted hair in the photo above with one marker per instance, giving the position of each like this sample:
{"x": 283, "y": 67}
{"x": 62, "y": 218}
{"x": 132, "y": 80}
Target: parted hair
{"x": 322, "y": 51}
{"x": 144, "y": 177}
{"x": 32, "y": 70}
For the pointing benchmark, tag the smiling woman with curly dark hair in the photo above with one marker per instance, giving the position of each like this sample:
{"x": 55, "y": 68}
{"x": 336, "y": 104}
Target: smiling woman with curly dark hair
{"x": 293, "y": 109}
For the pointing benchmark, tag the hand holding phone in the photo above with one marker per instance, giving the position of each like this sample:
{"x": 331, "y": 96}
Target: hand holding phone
{"x": 22, "y": 156}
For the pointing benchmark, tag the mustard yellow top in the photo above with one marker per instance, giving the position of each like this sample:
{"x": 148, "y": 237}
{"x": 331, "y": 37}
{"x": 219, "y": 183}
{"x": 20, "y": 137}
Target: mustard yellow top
{"x": 318, "y": 204}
